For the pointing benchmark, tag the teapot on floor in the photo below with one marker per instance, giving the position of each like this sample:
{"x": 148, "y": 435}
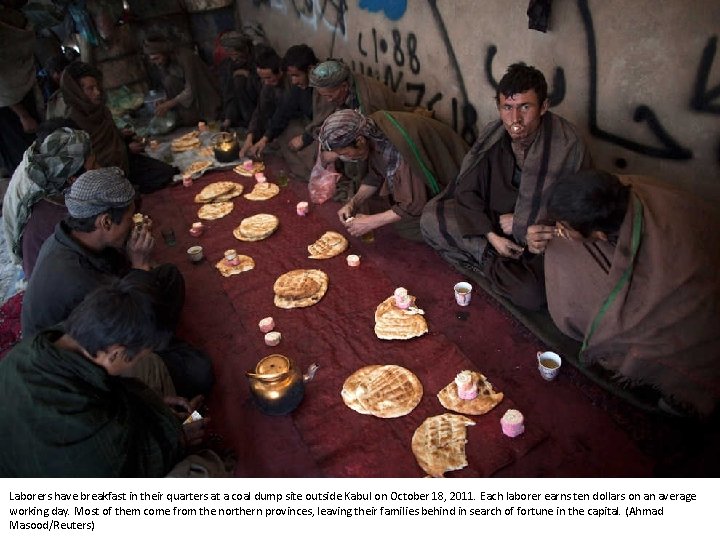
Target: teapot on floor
{"x": 277, "y": 385}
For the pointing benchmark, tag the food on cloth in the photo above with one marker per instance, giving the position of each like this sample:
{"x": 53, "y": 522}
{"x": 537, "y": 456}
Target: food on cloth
{"x": 141, "y": 219}
{"x": 197, "y": 167}
{"x": 262, "y": 191}
{"x": 266, "y": 324}
{"x": 219, "y": 192}
{"x": 185, "y": 142}
{"x": 300, "y": 288}
{"x": 385, "y": 391}
{"x": 249, "y": 169}
{"x": 215, "y": 210}
{"x": 439, "y": 443}
{"x": 272, "y": 339}
{"x": 485, "y": 400}
{"x": 328, "y": 245}
{"x": 257, "y": 227}
{"x": 243, "y": 264}
{"x": 392, "y": 322}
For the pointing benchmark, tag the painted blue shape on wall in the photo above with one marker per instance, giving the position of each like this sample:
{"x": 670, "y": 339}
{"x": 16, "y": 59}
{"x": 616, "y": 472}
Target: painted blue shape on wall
{"x": 393, "y": 9}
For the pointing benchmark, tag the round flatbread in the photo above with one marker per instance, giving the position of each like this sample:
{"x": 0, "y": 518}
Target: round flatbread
{"x": 262, "y": 191}
{"x": 196, "y": 168}
{"x": 439, "y": 443}
{"x": 257, "y": 227}
{"x": 300, "y": 288}
{"x": 219, "y": 192}
{"x": 257, "y": 167}
{"x": 391, "y": 322}
{"x": 245, "y": 263}
{"x": 185, "y": 142}
{"x": 485, "y": 401}
{"x": 387, "y": 391}
{"x": 215, "y": 210}
{"x": 328, "y": 245}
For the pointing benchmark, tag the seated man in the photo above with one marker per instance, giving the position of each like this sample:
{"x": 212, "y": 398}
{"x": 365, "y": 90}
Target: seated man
{"x": 294, "y": 111}
{"x": 239, "y": 83}
{"x": 268, "y": 66}
{"x": 410, "y": 158}
{"x": 81, "y": 86}
{"x": 55, "y": 106}
{"x": 77, "y": 415}
{"x": 634, "y": 276}
{"x": 34, "y": 201}
{"x": 480, "y": 223}
{"x": 96, "y": 243}
{"x": 189, "y": 85}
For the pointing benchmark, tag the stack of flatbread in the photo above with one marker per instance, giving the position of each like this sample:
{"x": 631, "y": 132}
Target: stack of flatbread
{"x": 257, "y": 227}
{"x": 196, "y": 168}
{"x": 215, "y": 210}
{"x": 385, "y": 391}
{"x": 257, "y": 167}
{"x": 391, "y": 322}
{"x": 262, "y": 191}
{"x": 300, "y": 288}
{"x": 439, "y": 443}
{"x": 245, "y": 263}
{"x": 185, "y": 142}
{"x": 485, "y": 401}
{"x": 328, "y": 245}
{"x": 219, "y": 192}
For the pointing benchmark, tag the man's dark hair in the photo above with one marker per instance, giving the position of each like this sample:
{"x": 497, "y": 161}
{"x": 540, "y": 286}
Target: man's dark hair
{"x": 88, "y": 224}
{"x": 267, "y": 58}
{"x": 588, "y": 201}
{"x": 300, "y": 57}
{"x": 48, "y": 127}
{"x": 121, "y": 313}
{"x": 521, "y": 78}
{"x": 78, "y": 70}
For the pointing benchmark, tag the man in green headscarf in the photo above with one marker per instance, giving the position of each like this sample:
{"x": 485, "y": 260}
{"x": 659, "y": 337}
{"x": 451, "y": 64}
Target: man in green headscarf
{"x": 36, "y": 188}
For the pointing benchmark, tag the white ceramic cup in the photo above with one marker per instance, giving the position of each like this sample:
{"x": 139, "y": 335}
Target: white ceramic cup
{"x": 463, "y": 293}
{"x": 195, "y": 253}
{"x": 549, "y": 364}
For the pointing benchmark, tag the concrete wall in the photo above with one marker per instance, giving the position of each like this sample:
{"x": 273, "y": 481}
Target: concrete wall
{"x": 640, "y": 79}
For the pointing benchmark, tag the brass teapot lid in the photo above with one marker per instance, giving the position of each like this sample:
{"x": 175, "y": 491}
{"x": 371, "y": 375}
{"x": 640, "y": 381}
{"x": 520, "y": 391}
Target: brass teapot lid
{"x": 271, "y": 368}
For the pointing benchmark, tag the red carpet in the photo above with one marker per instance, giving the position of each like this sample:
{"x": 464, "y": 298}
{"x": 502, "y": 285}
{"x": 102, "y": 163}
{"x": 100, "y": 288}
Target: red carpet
{"x": 566, "y": 435}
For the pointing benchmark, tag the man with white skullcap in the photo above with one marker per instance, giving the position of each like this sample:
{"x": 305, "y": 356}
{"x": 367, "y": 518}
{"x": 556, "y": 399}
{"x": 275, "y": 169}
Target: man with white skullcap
{"x": 96, "y": 244}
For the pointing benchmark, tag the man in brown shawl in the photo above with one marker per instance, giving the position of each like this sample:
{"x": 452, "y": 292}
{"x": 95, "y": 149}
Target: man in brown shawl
{"x": 634, "y": 276}
{"x": 81, "y": 85}
{"x": 190, "y": 87}
{"x": 239, "y": 84}
{"x": 410, "y": 158}
{"x": 484, "y": 220}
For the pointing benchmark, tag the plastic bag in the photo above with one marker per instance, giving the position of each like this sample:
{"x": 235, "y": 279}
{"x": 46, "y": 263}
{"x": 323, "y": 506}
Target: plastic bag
{"x": 322, "y": 181}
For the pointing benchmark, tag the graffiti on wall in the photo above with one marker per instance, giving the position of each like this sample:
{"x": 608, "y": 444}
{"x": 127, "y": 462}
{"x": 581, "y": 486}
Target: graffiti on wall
{"x": 395, "y": 60}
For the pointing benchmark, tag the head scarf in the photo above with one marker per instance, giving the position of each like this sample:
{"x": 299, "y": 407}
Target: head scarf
{"x": 342, "y": 128}
{"x": 97, "y": 191}
{"x": 329, "y": 74}
{"x": 107, "y": 141}
{"x": 235, "y": 39}
{"x": 60, "y": 156}
{"x": 157, "y": 46}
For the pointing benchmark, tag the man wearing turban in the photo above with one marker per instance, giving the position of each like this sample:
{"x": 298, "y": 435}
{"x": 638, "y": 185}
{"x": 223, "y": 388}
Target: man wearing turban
{"x": 239, "y": 83}
{"x": 410, "y": 158}
{"x": 33, "y": 203}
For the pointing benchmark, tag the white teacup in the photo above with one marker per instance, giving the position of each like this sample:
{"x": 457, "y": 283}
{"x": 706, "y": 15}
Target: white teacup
{"x": 549, "y": 364}
{"x": 463, "y": 293}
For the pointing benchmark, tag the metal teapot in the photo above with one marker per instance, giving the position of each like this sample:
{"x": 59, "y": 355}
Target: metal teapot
{"x": 277, "y": 385}
{"x": 225, "y": 146}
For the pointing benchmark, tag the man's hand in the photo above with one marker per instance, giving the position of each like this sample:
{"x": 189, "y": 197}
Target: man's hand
{"x": 225, "y": 123}
{"x": 360, "y": 224}
{"x": 506, "y": 223}
{"x": 194, "y": 432}
{"x": 347, "y": 211}
{"x": 163, "y": 107}
{"x": 538, "y": 236}
{"x": 296, "y": 143}
{"x": 246, "y": 146}
{"x": 140, "y": 246}
{"x": 258, "y": 148}
{"x": 327, "y": 157}
{"x": 504, "y": 246}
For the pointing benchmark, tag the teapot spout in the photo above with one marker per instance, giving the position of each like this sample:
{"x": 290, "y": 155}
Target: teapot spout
{"x": 310, "y": 373}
